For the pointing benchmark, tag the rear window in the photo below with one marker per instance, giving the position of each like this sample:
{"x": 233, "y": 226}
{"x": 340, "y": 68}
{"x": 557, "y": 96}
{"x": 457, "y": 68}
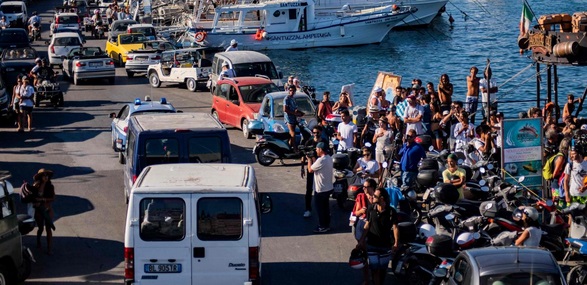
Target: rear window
{"x": 220, "y": 219}
{"x": 67, "y": 41}
{"x": 68, "y": 19}
{"x": 13, "y": 36}
{"x": 160, "y": 151}
{"x": 254, "y": 68}
{"x": 162, "y": 219}
{"x": 11, "y": 9}
{"x": 147, "y": 31}
{"x": 205, "y": 149}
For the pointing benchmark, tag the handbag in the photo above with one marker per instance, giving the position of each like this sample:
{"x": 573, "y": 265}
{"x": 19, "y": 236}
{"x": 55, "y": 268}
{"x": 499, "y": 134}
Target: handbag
{"x": 359, "y": 228}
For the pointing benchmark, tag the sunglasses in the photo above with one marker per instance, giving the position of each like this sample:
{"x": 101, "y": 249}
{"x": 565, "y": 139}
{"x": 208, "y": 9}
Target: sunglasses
{"x": 316, "y": 133}
{"x": 376, "y": 197}
{"x": 365, "y": 186}
{"x": 410, "y": 136}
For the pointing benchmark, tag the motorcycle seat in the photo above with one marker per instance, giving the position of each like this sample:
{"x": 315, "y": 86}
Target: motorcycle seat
{"x": 279, "y": 136}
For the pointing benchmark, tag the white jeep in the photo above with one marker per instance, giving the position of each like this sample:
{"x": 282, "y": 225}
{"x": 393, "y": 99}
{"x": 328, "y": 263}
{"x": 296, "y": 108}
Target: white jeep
{"x": 188, "y": 66}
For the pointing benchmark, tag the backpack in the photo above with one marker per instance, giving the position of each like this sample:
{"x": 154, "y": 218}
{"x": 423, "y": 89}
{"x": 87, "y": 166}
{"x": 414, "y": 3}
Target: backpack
{"x": 548, "y": 170}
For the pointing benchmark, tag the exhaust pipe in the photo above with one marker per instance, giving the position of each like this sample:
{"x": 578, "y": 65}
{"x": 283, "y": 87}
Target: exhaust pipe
{"x": 270, "y": 153}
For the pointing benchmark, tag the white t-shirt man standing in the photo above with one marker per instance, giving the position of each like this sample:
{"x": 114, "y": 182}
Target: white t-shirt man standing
{"x": 347, "y": 131}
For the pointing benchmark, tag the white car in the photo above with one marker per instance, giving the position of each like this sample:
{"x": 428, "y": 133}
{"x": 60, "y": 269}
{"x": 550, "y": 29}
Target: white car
{"x": 61, "y": 44}
{"x": 187, "y": 66}
{"x": 65, "y": 20}
{"x": 15, "y": 12}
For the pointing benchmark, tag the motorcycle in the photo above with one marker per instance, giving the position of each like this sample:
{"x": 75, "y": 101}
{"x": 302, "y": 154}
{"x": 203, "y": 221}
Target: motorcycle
{"x": 49, "y": 89}
{"x": 98, "y": 30}
{"x": 347, "y": 184}
{"x": 35, "y": 34}
{"x": 274, "y": 145}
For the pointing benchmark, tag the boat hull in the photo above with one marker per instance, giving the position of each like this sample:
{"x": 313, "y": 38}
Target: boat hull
{"x": 347, "y": 34}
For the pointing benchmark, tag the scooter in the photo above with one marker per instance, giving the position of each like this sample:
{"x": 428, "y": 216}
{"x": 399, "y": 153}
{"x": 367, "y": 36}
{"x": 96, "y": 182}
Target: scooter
{"x": 35, "y": 33}
{"x": 98, "y": 31}
{"x": 274, "y": 145}
{"x": 346, "y": 187}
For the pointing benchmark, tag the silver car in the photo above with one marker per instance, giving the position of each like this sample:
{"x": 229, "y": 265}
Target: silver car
{"x": 88, "y": 63}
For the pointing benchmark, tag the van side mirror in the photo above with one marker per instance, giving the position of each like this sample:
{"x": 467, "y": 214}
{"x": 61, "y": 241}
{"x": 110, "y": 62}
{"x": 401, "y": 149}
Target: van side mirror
{"x": 266, "y": 204}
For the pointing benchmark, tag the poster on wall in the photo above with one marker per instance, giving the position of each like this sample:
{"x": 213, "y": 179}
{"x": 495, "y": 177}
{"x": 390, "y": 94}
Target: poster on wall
{"x": 522, "y": 151}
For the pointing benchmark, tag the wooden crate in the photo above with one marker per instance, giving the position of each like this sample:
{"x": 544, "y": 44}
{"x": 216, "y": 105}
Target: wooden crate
{"x": 579, "y": 22}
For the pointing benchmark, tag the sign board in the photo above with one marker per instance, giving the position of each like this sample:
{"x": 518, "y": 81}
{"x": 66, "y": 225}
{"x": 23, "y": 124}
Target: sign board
{"x": 522, "y": 150}
{"x": 388, "y": 82}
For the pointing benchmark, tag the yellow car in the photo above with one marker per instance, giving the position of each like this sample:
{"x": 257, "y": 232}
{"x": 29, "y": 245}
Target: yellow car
{"x": 117, "y": 48}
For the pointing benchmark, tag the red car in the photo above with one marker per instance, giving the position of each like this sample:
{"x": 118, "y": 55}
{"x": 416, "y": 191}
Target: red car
{"x": 236, "y": 101}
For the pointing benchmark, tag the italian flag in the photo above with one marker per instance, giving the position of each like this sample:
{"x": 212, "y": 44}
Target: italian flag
{"x": 525, "y": 19}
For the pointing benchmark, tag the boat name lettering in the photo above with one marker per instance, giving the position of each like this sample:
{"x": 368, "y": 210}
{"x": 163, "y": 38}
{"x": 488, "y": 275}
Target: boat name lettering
{"x": 298, "y": 37}
{"x": 374, "y": 21}
{"x": 294, "y": 4}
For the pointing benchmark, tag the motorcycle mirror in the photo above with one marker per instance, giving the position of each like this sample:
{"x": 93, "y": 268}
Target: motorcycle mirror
{"x": 482, "y": 170}
{"x": 549, "y": 203}
{"x": 367, "y": 144}
{"x": 476, "y": 235}
{"x": 490, "y": 166}
{"x": 431, "y": 148}
{"x": 485, "y": 189}
{"x": 482, "y": 182}
{"x": 521, "y": 179}
{"x": 460, "y": 161}
{"x": 440, "y": 272}
{"x": 384, "y": 164}
{"x": 449, "y": 217}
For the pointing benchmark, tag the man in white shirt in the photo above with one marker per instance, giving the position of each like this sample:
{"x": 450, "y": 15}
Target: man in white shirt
{"x": 347, "y": 132}
{"x": 575, "y": 172}
{"x": 484, "y": 96}
{"x": 323, "y": 169}
{"x": 413, "y": 116}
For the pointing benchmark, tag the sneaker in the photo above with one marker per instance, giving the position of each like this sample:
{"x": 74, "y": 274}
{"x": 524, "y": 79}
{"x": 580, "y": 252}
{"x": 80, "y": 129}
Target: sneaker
{"x": 307, "y": 214}
{"x": 321, "y": 230}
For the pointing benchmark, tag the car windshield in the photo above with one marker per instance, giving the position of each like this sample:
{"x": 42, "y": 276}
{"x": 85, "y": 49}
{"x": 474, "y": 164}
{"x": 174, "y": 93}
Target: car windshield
{"x": 19, "y": 54}
{"x": 13, "y": 36}
{"x": 72, "y": 19}
{"x": 89, "y": 51}
{"x": 254, "y": 68}
{"x": 256, "y": 93}
{"x": 521, "y": 278}
{"x": 132, "y": 39}
{"x": 11, "y": 9}
{"x": 67, "y": 41}
{"x": 147, "y": 31}
{"x": 304, "y": 105}
{"x": 121, "y": 27}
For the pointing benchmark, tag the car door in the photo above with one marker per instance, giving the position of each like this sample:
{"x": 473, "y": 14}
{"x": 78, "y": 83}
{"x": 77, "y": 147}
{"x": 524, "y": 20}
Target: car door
{"x": 221, "y": 101}
{"x": 233, "y": 108}
{"x": 162, "y": 239}
{"x": 460, "y": 272}
{"x": 119, "y": 125}
{"x": 221, "y": 239}
{"x": 165, "y": 64}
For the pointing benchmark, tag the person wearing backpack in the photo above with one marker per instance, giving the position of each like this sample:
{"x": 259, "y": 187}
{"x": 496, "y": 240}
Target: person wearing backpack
{"x": 554, "y": 168}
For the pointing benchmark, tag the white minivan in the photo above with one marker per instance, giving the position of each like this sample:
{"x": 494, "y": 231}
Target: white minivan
{"x": 194, "y": 223}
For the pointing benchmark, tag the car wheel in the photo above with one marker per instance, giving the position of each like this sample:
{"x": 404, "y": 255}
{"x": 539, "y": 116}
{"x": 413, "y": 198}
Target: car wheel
{"x": 111, "y": 80}
{"x": 130, "y": 74}
{"x": 215, "y": 115}
{"x": 75, "y": 79}
{"x": 120, "y": 157}
{"x": 191, "y": 84}
{"x": 120, "y": 62}
{"x": 245, "y": 128}
{"x": 263, "y": 159}
{"x": 154, "y": 80}
{"x": 575, "y": 276}
{"x": 6, "y": 277}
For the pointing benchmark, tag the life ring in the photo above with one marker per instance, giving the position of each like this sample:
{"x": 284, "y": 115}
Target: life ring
{"x": 259, "y": 34}
{"x": 200, "y": 36}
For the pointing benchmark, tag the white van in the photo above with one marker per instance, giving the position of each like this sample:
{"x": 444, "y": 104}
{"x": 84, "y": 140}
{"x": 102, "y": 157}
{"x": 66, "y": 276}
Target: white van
{"x": 194, "y": 224}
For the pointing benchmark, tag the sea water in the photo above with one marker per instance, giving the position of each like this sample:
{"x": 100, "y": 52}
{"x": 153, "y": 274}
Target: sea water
{"x": 482, "y": 29}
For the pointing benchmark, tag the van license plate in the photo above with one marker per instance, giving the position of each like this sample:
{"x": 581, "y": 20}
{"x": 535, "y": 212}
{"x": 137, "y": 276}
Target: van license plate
{"x": 162, "y": 268}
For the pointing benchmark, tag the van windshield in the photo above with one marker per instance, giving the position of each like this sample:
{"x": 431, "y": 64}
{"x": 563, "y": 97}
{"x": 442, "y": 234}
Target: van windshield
{"x": 256, "y": 93}
{"x": 11, "y": 9}
{"x": 254, "y": 68}
{"x": 205, "y": 149}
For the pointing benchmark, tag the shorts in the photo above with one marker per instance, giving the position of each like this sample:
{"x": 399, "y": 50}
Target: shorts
{"x": 380, "y": 156}
{"x": 379, "y": 257}
{"x": 27, "y": 110}
{"x": 438, "y": 134}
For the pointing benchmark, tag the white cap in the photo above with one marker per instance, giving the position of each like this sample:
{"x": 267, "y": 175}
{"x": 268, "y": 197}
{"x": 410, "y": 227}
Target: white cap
{"x": 225, "y": 64}
{"x": 233, "y": 42}
{"x": 378, "y": 89}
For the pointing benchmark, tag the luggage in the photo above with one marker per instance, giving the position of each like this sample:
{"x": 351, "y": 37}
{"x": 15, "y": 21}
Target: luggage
{"x": 427, "y": 178}
{"x": 439, "y": 245}
{"x": 428, "y": 164}
{"x": 579, "y": 22}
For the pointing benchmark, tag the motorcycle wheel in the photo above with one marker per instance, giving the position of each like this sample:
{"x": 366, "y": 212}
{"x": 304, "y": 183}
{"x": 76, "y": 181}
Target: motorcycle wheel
{"x": 60, "y": 102}
{"x": 577, "y": 275}
{"x": 262, "y": 159}
{"x": 341, "y": 200}
{"x": 415, "y": 275}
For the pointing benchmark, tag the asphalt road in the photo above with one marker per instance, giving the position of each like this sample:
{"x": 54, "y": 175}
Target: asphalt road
{"x": 74, "y": 142}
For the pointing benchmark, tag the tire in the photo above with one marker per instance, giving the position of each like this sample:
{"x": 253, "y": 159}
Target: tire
{"x": 154, "y": 80}
{"x": 191, "y": 84}
{"x": 121, "y": 159}
{"x": 245, "y": 127}
{"x": 341, "y": 201}
{"x": 120, "y": 62}
{"x": 262, "y": 159}
{"x": 75, "y": 80}
{"x": 37, "y": 101}
{"x": 130, "y": 74}
{"x": 575, "y": 276}
{"x": 111, "y": 80}
{"x": 6, "y": 276}
{"x": 60, "y": 101}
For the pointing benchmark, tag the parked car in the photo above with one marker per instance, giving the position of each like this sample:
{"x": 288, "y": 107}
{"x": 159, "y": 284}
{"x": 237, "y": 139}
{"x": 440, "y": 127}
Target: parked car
{"x": 14, "y": 38}
{"x": 271, "y": 111}
{"x": 88, "y": 63}
{"x": 120, "y": 119}
{"x": 138, "y": 61}
{"x": 65, "y": 20}
{"x": 7, "y": 115}
{"x": 61, "y": 44}
{"x": 15, "y": 12}
{"x": 118, "y": 48}
{"x": 146, "y": 29}
{"x": 236, "y": 101}
{"x": 119, "y": 27}
{"x": 188, "y": 66}
{"x": 15, "y": 258}
{"x": 503, "y": 265}
{"x": 17, "y": 61}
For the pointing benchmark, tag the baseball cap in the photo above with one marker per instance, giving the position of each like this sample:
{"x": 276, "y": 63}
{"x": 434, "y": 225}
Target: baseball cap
{"x": 225, "y": 64}
{"x": 374, "y": 109}
{"x": 321, "y": 145}
{"x": 378, "y": 89}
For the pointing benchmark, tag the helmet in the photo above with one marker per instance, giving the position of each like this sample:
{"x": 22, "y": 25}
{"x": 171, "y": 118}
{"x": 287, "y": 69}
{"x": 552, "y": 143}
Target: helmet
{"x": 38, "y": 59}
{"x": 531, "y": 213}
{"x": 446, "y": 193}
{"x": 96, "y": 11}
{"x": 465, "y": 240}
{"x": 357, "y": 259}
{"x": 426, "y": 231}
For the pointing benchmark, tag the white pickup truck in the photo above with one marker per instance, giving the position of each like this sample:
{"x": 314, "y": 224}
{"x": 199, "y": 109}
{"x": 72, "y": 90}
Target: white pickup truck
{"x": 190, "y": 66}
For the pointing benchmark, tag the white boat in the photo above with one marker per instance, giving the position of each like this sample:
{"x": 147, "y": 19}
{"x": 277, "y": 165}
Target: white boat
{"x": 294, "y": 24}
{"x": 425, "y": 10}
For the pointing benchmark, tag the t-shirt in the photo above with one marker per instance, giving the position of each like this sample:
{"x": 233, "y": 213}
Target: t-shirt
{"x": 447, "y": 176}
{"x": 347, "y": 133}
{"x": 380, "y": 225}
{"x": 27, "y": 96}
{"x": 483, "y": 83}
{"x": 576, "y": 177}
{"x": 384, "y": 141}
{"x": 534, "y": 237}
{"x": 413, "y": 112}
{"x": 323, "y": 174}
{"x": 290, "y": 102}
{"x": 462, "y": 139}
{"x": 370, "y": 166}
{"x": 227, "y": 73}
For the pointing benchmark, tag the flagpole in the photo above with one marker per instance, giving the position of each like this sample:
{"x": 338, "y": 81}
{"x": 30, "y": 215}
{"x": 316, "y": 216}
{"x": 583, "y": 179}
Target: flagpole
{"x": 531, "y": 11}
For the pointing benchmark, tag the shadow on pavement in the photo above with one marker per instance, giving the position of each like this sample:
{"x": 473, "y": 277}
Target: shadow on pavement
{"x": 38, "y": 137}
{"x": 309, "y": 273}
{"x": 26, "y": 170}
{"x": 91, "y": 103}
{"x": 241, "y": 154}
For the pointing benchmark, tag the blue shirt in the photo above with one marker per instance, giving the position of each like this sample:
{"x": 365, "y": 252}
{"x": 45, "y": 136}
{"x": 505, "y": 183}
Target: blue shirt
{"x": 411, "y": 156}
{"x": 290, "y": 102}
